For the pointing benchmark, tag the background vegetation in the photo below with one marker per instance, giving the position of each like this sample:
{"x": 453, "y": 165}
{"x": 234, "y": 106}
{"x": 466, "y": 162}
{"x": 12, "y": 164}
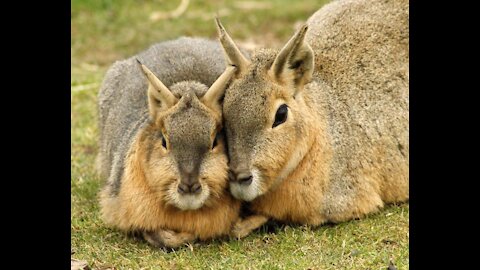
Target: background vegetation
{"x": 104, "y": 31}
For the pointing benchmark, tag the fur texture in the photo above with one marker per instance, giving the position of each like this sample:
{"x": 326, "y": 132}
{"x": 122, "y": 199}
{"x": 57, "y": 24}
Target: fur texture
{"x": 342, "y": 151}
{"x": 155, "y": 142}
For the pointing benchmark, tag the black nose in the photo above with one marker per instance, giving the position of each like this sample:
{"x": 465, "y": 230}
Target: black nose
{"x": 244, "y": 179}
{"x": 189, "y": 188}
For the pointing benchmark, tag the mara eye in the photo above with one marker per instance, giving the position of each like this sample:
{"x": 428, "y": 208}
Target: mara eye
{"x": 281, "y": 115}
{"x": 164, "y": 143}
{"x": 215, "y": 141}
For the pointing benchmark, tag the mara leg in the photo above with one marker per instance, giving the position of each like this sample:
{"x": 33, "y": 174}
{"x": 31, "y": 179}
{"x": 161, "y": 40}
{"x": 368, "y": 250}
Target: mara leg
{"x": 351, "y": 198}
{"x": 245, "y": 226}
{"x": 168, "y": 238}
{"x": 395, "y": 188}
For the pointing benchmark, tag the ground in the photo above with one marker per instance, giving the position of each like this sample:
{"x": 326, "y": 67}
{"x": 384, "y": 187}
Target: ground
{"x": 107, "y": 30}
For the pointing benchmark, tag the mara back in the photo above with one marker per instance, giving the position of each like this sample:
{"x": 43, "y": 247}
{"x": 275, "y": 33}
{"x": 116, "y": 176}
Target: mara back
{"x": 122, "y": 100}
{"x": 362, "y": 54}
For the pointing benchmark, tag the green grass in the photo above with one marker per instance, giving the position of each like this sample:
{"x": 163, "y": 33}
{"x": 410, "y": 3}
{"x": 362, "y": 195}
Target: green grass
{"x": 105, "y": 31}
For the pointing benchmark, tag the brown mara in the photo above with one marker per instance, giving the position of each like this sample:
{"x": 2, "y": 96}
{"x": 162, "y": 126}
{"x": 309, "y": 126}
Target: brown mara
{"x": 318, "y": 131}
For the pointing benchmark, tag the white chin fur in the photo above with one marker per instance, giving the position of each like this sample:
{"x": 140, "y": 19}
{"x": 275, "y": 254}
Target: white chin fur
{"x": 247, "y": 193}
{"x": 191, "y": 202}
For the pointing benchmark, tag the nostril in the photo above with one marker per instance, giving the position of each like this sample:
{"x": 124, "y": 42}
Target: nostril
{"x": 247, "y": 180}
{"x": 196, "y": 188}
{"x": 182, "y": 188}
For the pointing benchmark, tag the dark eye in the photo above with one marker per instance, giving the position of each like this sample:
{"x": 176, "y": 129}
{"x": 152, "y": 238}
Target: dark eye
{"x": 281, "y": 115}
{"x": 215, "y": 141}
{"x": 164, "y": 143}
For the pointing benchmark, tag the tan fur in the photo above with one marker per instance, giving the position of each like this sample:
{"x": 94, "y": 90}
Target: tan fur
{"x": 138, "y": 206}
{"x": 187, "y": 117}
{"x": 243, "y": 227}
{"x": 342, "y": 153}
{"x": 161, "y": 238}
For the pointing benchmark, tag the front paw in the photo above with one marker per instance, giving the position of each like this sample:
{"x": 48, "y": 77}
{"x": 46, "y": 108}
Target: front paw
{"x": 153, "y": 239}
{"x": 168, "y": 238}
{"x": 241, "y": 229}
{"x": 245, "y": 226}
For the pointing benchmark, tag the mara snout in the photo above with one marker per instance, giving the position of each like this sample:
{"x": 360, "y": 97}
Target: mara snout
{"x": 244, "y": 184}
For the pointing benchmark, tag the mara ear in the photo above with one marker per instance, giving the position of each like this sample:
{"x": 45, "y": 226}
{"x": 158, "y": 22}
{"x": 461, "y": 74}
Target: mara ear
{"x": 232, "y": 53}
{"x": 215, "y": 92}
{"x": 159, "y": 96}
{"x": 294, "y": 61}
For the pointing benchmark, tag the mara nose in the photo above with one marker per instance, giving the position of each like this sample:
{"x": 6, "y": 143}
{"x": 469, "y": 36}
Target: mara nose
{"x": 189, "y": 188}
{"x": 244, "y": 178}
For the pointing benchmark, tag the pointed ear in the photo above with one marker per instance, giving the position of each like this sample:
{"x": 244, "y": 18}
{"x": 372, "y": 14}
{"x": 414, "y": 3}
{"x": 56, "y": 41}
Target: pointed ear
{"x": 159, "y": 96}
{"x": 216, "y": 91}
{"x": 232, "y": 53}
{"x": 294, "y": 61}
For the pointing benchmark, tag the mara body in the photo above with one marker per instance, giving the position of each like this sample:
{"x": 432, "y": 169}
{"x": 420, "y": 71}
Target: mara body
{"x": 318, "y": 131}
{"x": 161, "y": 146}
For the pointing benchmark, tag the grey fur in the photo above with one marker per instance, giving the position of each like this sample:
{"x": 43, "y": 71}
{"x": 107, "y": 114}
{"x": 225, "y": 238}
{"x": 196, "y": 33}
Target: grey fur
{"x": 188, "y": 150}
{"x": 122, "y": 100}
{"x": 362, "y": 52}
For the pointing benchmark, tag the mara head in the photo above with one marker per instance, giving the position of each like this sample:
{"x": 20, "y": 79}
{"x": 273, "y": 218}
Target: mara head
{"x": 265, "y": 113}
{"x": 184, "y": 155}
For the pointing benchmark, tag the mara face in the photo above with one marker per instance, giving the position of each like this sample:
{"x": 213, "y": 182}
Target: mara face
{"x": 264, "y": 125}
{"x": 265, "y": 114}
{"x": 184, "y": 151}
{"x": 186, "y": 162}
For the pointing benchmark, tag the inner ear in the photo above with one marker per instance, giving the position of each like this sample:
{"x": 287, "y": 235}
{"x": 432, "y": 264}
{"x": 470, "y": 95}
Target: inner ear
{"x": 302, "y": 67}
{"x": 159, "y": 96}
{"x": 296, "y": 64}
{"x": 157, "y": 102}
{"x": 295, "y": 61}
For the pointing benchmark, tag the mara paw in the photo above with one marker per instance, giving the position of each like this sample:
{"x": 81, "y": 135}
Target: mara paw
{"x": 245, "y": 226}
{"x": 168, "y": 238}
